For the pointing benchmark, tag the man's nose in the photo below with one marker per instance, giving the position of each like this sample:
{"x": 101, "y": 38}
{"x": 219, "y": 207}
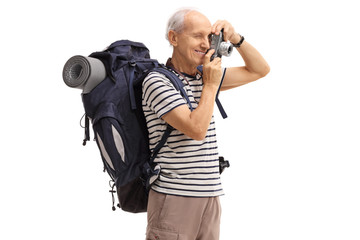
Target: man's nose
{"x": 205, "y": 43}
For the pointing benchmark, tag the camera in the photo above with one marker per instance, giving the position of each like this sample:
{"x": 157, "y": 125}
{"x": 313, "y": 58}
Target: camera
{"x": 221, "y": 47}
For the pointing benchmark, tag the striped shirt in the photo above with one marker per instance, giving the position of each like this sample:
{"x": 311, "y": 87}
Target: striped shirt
{"x": 188, "y": 167}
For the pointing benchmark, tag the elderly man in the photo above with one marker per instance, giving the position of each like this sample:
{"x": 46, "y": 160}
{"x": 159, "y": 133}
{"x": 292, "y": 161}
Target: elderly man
{"x": 184, "y": 200}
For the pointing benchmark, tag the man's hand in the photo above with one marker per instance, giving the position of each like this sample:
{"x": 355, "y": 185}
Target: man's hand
{"x": 255, "y": 65}
{"x": 229, "y": 31}
{"x": 212, "y": 72}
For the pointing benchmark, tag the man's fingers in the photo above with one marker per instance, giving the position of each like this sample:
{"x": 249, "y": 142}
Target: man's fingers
{"x": 208, "y": 55}
{"x": 217, "y": 62}
{"x": 223, "y": 24}
{"x": 216, "y": 28}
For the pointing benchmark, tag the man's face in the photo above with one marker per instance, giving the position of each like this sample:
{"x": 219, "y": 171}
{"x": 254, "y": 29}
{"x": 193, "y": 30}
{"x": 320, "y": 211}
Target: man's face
{"x": 193, "y": 41}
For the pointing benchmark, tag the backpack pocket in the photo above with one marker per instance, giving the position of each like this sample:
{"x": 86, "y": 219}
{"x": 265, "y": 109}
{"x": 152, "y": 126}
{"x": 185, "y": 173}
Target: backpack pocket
{"x": 109, "y": 134}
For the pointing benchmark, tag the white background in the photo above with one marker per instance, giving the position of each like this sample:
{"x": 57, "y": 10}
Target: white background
{"x": 292, "y": 137}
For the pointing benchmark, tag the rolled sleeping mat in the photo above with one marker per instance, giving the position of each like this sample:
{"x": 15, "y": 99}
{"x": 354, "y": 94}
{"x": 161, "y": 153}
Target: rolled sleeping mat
{"x": 83, "y": 72}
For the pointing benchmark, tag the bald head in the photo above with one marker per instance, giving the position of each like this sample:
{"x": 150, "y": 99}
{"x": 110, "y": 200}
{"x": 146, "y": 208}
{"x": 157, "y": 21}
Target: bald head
{"x": 184, "y": 18}
{"x": 195, "y": 18}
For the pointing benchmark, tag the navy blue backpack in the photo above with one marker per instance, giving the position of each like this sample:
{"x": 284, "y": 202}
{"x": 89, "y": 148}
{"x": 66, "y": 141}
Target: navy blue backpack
{"x": 114, "y": 108}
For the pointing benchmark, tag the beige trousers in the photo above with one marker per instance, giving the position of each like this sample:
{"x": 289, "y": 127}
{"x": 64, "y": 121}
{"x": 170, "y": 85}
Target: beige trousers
{"x": 182, "y": 218}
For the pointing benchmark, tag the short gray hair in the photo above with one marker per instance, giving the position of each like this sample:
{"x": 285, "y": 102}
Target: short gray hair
{"x": 176, "y": 21}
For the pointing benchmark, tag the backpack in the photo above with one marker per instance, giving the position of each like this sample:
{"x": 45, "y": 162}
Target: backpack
{"x": 114, "y": 107}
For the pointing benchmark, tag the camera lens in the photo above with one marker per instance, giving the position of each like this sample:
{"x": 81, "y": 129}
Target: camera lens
{"x": 225, "y": 49}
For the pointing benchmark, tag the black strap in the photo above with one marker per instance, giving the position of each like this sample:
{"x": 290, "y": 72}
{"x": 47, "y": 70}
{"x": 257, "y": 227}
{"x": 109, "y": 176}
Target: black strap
{"x": 218, "y": 103}
{"x": 161, "y": 143}
{"x": 87, "y": 130}
{"x": 131, "y": 84}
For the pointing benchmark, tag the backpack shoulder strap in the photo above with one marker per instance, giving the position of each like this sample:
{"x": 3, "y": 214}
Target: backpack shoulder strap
{"x": 178, "y": 84}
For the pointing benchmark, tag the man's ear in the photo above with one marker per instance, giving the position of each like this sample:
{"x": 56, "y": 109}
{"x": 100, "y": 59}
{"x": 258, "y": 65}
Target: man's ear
{"x": 173, "y": 38}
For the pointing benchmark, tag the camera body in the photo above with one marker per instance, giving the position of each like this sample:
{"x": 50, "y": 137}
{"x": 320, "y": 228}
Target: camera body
{"x": 221, "y": 47}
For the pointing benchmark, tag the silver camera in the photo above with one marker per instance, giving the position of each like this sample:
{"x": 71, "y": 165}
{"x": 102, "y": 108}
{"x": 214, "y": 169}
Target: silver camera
{"x": 221, "y": 47}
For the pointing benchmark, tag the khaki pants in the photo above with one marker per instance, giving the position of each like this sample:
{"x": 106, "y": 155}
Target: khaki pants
{"x": 182, "y": 218}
